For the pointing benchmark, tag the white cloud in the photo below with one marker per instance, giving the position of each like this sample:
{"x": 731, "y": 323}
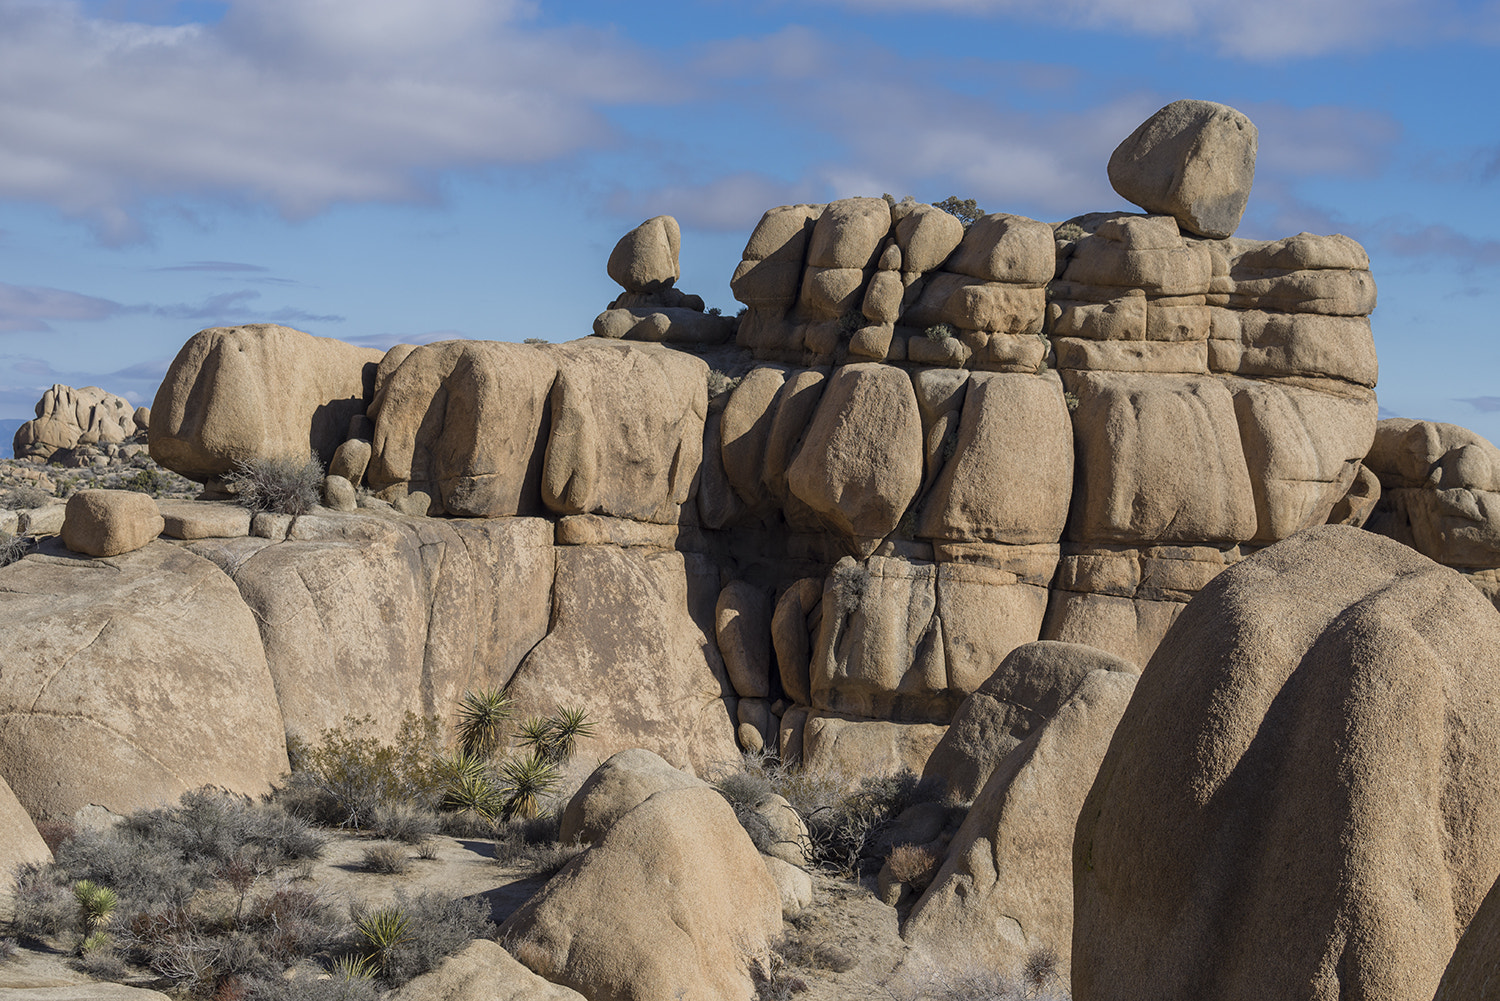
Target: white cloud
{"x": 1265, "y": 30}
{"x": 27, "y": 308}
{"x": 301, "y": 103}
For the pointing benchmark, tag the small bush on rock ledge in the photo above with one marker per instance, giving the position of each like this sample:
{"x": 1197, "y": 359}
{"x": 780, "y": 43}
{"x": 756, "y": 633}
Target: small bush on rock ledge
{"x": 281, "y": 486}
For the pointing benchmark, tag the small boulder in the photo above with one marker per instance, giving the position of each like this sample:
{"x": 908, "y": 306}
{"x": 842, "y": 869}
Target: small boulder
{"x": 615, "y": 788}
{"x": 793, "y": 883}
{"x": 1193, "y": 160}
{"x": 110, "y": 522}
{"x": 673, "y": 901}
{"x": 645, "y": 259}
{"x": 743, "y": 626}
{"x": 482, "y": 971}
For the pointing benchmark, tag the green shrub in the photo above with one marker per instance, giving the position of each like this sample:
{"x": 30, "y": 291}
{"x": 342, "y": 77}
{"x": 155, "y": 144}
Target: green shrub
{"x": 966, "y": 209}
{"x": 349, "y": 773}
{"x": 941, "y": 332}
{"x": 147, "y": 481}
{"x": 280, "y": 485}
{"x": 721, "y": 382}
{"x": 525, "y": 782}
{"x": 415, "y": 934}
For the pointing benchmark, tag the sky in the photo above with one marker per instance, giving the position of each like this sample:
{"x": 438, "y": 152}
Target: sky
{"x": 384, "y": 171}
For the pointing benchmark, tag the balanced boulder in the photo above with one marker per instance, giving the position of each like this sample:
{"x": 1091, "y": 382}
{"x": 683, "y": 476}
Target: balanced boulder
{"x": 1193, "y": 160}
{"x": 1302, "y": 800}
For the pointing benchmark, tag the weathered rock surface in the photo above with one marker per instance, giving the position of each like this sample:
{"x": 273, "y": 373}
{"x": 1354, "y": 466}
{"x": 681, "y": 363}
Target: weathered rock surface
{"x": 130, "y": 680}
{"x": 238, "y": 394}
{"x": 1005, "y": 888}
{"x": 20, "y": 844}
{"x": 673, "y": 901}
{"x": 631, "y": 642}
{"x": 1473, "y": 974}
{"x": 625, "y": 781}
{"x": 1439, "y": 491}
{"x": 464, "y": 422}
{"x": 68, "y": 417}
{"x": 482, "y": 971}
{"x": 1193, "y": 160}
{"x": 1027, "y": 690}
{"x": 645, "y": 259}
{"x": 110, "y": 522}
{"x": 1309, "y": 771}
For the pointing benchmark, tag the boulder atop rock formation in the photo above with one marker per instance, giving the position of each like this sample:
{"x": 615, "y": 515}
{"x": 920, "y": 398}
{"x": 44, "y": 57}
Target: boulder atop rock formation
{"x": 1302, "y": 800}
{"x": 622, "y": 783}
{"x": 645, "y": 259}
{"x": 1193, "y": 160}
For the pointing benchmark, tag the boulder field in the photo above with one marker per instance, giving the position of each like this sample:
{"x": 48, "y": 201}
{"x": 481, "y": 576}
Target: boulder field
{"x": 1092, "y": 523}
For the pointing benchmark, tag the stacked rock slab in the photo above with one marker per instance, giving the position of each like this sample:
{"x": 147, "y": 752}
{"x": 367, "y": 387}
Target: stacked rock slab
{"x": 645, "y": 263}
{"x": 1222, "y": 398}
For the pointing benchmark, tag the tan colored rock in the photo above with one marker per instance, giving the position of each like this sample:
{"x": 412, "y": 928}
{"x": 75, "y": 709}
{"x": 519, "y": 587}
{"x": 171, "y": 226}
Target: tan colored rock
{"x": 832, "y": 293}
{"x": 339, "y": 494}
{"x": 781, "y": 235}
{"x": 90, "y": 991}
{"x": 861, "y": 462}
{"x": 1261, "y": 344}
{"x": 856, "y": 748}
{"x": 129, "y": 681}
{"x": 1473, "y": 973}
{"x": 464, "y": 422}
{"x": 1316, "y": 745}
{"x": 745, "y": 431}
{"x": 1303, "y": 449}
{"x": 670, "y": 324}
{"x": 68, "y": 417}
{"x": 1329, "y": 292}
{"x": 792, "y": 883}
{"x": 1159, "y": 460}
{"x": 926, "y": 235}
{"x": 190, "y": 519}
{"x": 625, "y": 781}
{"x": 45, "y": 520}
{"x": 907, "y": 641}
{"x": 239, "y": 394}
{"x": 350, "y": 460}
{"x": 792, "y": 629}
{"x": 626, "y": 434}
{"x": 848, "y": 234}
{"x": 793, "y": 408}
{"x": 1179, "y": 358}
{"x": 1011, "y": 475}
{"x": 366, "y": 614}
{"x": 1026, "y": 691}
{"x": 20, "y": 844}
{"x": 742, "y": 621}
{"x": 631, "y": 642}
{"x": 645, "y": 259}
{"x": 767, "y": 284}
{"x": 1193, "y": 160}
{"x": 1182, "y": 270}
{"x": 110, "y": 522}
{"x": 882, "y": 302}
{"x": 482, "y": 971}
{"x": 672, "y": 902}
{"x": 996, "y": 307}
{"x": 1303, "y": 252}
{"x": 1005, "y": 888}
{"x": 1006, "y": 248}
{"x": 1440, "y": 491}
{"x": 1129, "y": 628}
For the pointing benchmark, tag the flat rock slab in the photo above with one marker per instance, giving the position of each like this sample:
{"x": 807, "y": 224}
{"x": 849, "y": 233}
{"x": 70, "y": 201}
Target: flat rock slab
{"x": 191, "y": 519}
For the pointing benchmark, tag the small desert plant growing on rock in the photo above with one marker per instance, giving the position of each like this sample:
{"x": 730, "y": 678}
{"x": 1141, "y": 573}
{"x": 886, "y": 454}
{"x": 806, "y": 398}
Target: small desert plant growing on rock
{"x": 13, "y": 548}
{"x": 966, "y": 209}
{"x": 914, "y": 865}
{"x": 941, "y": 332}
{"x": 280, "y": 485}
{"x": 851, "y": 582}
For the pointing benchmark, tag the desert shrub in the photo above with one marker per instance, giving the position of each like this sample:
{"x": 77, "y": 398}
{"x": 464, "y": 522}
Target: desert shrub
{"x": 8, "y": 950}
{"x": 536, "y": 340}
{"x": 844, "y": 828}
{"x": 721, "y": 382}
{"x": 851, "y": 321}
{"x": 427, "y": 850}
{"x": 388, "y": 860}
{"x": 812, "y": 944}
{"x": 13, "y": 548}
{"x": 401, "y": 821}
{"x": 531, "y": 845}
{"x": 525, "y": 782}
{"x": 415, "y": 934}
{"x": 914, "y": 865}
{"x": 280, "y": 485}
{"x": 21, "y": 496}
{"x": 43, "y": 907}
{"x": 1068, "y": 232}
{"x": 966, "y": 209}
{"x": 747, "y": 786}
{"x": 147, "y": 481}
{"x": 940, "y": 332}
{"x": 1071, "y": 399}
{"x": 55, "y": 832}
{"x": 341, "y": 780}
{"x": 313, "y": 984}
{"x": 851, "y": 581}
{"x": 554, "y": 738}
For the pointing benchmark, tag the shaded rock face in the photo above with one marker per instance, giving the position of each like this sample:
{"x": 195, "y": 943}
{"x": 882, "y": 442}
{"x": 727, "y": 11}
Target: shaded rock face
{"x": 1308, "y": 770}
{"x": 20, "y": 844}
{"x": 129, "y": 681}
{"x": 1005, "y": 888}
{"x": 68, "y": 417}
{"x": 275, "y": 392}
{"x": 1439, "y": 491}
{"x": 1473, "y": 974}
{"x": 673, "y": 901}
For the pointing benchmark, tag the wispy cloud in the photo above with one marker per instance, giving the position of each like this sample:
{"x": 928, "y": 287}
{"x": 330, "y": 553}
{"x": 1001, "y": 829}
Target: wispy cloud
{"x": 229, "y": 266}
{"x": 1483, "y": 404}
{"x": 1267, "y": 30}
{"x": 1438, "y": 242}
{"x": 28, "y": 308}
{"x": 298, "y": 103}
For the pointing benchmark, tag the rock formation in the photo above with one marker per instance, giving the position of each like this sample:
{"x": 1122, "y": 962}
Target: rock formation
{"x": 1309, "y": 770}
{"x": 68, "y": 417}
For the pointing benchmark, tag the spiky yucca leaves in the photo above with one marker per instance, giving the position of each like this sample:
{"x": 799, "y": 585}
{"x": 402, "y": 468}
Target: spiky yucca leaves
{"x": 354, "y": 968}
{"x": 535, "y": 733}
{"x": 556, "y": 737}
{"x": 482, "y": 716}
{"x": 468, "y": 786}
{"x": 96, "y": 906}
{"x": 525, "y": 782}
{"x": 382, "y": 931}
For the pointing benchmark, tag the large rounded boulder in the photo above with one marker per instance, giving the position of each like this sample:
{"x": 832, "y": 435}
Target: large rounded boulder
{"x": 1302, "y": 800}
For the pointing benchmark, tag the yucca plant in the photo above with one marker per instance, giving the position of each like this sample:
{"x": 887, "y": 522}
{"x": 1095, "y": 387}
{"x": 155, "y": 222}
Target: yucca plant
{"x": 535, "y": 733}
{"x": 569, "y": 726}
{"x": 526, "y": 781}
{"x": 351, "y": 967}
{"x": 96, "y": 906}
{"x": 383, "y": 931}
{"x": 482, "y": 716}
{"x": 468, "y": 786}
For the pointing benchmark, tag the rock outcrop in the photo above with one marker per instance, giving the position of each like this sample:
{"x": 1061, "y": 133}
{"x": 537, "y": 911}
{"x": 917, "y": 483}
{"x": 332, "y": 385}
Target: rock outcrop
{"x": 482, "y": 970}
{"x": 68, "y": 417}
{"x": 1309, "y": 770}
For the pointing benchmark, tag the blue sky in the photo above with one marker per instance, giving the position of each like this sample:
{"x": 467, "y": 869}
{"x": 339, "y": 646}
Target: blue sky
{"x": 383, "y": 171}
